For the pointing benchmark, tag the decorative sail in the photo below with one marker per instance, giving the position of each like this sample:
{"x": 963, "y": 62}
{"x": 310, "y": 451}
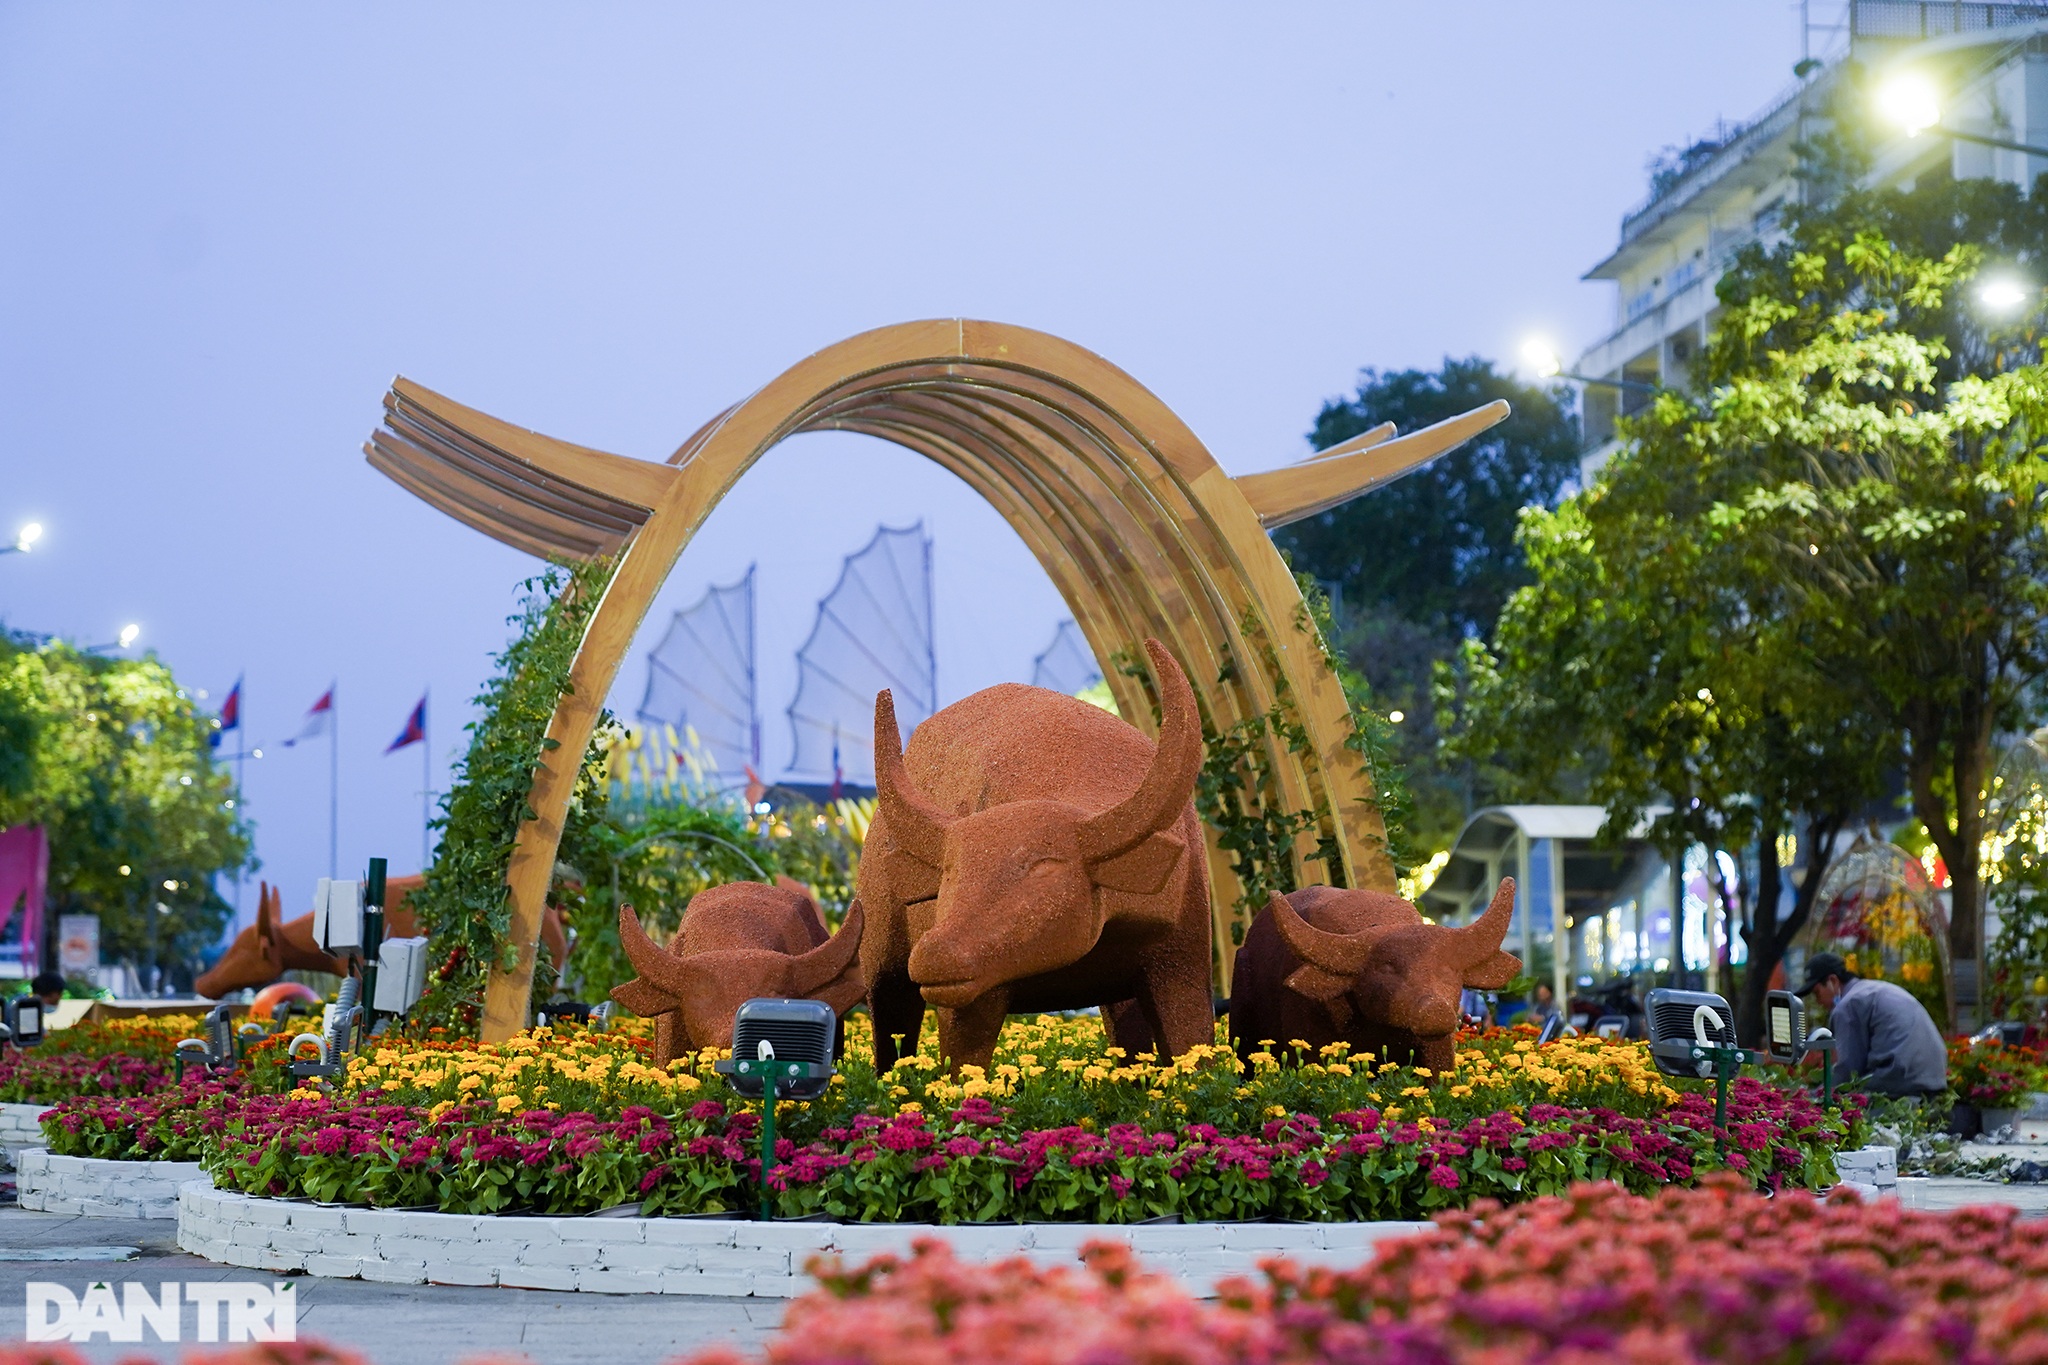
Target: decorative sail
{"x": 700, "y": 681}
{"x": 1067, "y": 664}
{"x": 874, "y": 630}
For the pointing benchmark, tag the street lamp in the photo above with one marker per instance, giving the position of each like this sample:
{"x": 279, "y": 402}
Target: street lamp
{"x": 2002, "y": 294}
{"x": 1909, "y": 101}
{"x": 25, "y": 537}
{"x": 1542, "y": 357}
{"x": 129, "y": 633}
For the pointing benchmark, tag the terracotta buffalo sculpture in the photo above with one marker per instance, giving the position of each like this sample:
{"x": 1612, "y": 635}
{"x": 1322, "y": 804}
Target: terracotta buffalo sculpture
{"x": 1032, "y": 852}
{"x": 1364, "y": 967}
{"x": 273, "y": 945}
{"x": 737, "y": 942}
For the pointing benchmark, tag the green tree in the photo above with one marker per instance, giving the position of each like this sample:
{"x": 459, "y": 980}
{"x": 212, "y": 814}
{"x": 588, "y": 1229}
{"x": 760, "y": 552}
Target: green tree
{"x": 1414, "y": 568}
{"x": 111, "y": 757}
{"x": 1647, "y": 667}
{"x": 1873, "y": 516}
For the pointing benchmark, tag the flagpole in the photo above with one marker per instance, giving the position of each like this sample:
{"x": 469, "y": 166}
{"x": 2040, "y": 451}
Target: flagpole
{"x": 426, "y": 776}
{"x": 241, "y": 801}
{"x": 334, "y": 784}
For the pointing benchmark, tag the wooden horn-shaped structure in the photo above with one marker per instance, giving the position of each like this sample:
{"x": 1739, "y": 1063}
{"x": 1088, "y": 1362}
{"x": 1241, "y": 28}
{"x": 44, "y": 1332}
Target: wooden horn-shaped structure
{"x": 1139, "y": 528}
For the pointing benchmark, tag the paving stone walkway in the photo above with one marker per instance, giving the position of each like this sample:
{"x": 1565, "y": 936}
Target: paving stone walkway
{"x": 388, "y": 1324}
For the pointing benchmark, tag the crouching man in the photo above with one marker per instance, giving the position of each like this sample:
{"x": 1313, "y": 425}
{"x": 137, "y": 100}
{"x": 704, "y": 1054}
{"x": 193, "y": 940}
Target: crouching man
{"x": 1885, "y": 1041}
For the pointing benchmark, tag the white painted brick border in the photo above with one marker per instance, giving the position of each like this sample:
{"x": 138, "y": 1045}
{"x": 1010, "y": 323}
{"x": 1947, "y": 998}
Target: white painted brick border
{"x": 99, "y": 1188}
{"x": 19, "y": 1126}
{"x": 696, "y": 1255}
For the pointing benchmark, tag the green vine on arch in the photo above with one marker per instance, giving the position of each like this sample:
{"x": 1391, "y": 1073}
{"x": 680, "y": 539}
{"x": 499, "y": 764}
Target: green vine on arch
{"x": 465, "y": 906}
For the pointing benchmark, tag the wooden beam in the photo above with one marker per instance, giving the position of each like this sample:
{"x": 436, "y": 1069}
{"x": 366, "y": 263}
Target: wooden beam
{"x": 640, "y": 483}
{"x": 1280, "y": 496}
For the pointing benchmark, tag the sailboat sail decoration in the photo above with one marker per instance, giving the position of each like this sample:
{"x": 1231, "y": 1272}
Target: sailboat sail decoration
{"x": 874, "y": 630}
{"x": 1067, "y": 664}
{"x": 700, "y": 682}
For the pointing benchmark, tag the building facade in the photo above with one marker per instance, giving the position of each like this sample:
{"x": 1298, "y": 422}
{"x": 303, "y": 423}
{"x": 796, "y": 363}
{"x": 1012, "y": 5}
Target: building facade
{"x": 1989, "y": 65}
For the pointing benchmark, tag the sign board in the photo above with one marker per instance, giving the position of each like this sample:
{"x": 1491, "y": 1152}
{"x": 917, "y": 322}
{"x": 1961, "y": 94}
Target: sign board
{"x": 78, "y": 944}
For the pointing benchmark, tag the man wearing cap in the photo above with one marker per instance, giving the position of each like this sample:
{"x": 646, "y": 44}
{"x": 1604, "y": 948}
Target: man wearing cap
{"x": 1885, "y": 1040}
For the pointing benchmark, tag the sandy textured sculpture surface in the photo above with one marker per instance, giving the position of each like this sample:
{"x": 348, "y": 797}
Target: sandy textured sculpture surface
{"x": 273, "y": 945}
{"x": 1031, "y": 852}
{"x": 738, "y": 942}
{"x": 1362, "y": 967}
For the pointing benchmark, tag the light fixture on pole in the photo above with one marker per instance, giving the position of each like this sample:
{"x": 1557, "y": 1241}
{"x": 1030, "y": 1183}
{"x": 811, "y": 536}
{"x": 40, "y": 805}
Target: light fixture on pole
{"x": 28, "y": 535}
{"x": 1909, "y": 101}
{"x": 128, "y": 636}
{"x": 1542, "y": 358}
{"x": 2003, "y": 294}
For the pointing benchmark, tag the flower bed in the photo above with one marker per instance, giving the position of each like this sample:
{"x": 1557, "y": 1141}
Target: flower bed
{"x": 111, "y": 1057}
{"x": 1692, "y": 1277}
{"x": 1993, "y": 1076}
{"x": 1057, "y": 1129}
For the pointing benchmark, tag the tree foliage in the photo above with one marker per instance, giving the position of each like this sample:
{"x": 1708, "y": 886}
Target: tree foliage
{"x": 1416, "y": 567}
{"x": 110, "y": 756}
{"x": 1828, "y": 564}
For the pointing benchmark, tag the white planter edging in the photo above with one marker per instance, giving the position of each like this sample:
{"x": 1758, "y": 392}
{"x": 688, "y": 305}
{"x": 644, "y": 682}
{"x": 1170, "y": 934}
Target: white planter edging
{"x": 99, "y": 1188}
{"x": 696, "y": 1255}
{"x": 19, "y": 1126}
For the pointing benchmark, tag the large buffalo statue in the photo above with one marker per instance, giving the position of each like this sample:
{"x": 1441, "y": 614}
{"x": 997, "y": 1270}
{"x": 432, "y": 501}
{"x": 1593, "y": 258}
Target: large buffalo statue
{"x": 738, "y": 941}
{"x": 273, "y": 945}
{"x": 1032, "y": 852}
{"x": 1364, "y": 967}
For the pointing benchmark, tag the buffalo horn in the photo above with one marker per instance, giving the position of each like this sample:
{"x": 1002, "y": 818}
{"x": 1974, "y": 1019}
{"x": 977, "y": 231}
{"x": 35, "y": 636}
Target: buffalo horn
{"x": 1338, "y": 954}
{"x": 821, "y": 966}
{"x": 1481, "y": 939}
{"x": 1170, "y": 780}
{"x": 661, "y": 970}
{"x": 917, "y": 826}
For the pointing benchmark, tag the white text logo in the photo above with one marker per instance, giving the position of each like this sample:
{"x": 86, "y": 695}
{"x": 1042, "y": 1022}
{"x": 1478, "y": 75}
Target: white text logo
{"x": 226, "y": 1310}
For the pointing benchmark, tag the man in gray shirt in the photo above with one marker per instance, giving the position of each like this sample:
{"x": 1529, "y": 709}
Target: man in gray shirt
{"x": 1884, "y": 1039}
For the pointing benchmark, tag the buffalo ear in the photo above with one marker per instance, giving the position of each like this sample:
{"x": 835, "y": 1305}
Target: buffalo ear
{"x": 1142, "y": 870}
{"x": 643, "y": 999}
{"x": 1317, "y": 984}
{"x": 1493, "y": 973}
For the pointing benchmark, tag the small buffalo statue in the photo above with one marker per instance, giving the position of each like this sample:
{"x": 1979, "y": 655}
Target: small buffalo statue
{"x": 1364, "y": 967}
{"x": 273, "y": 945}
{"x": 738, "y": 942}
{"x": 1032, "y": 852}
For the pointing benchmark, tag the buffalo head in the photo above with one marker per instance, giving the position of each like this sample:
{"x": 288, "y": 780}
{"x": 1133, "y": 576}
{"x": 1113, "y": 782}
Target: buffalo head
{"x": 1011, "y": 891}
{"x": 1400, "y": 971}
{"x": 707, "y": 988}
{"x": 256, "y": 957}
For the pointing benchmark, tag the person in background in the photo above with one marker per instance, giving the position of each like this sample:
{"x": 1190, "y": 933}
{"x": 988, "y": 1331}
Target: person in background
{"x": 1885, "y": 1041}
{"x": 1542, "y": 1004}
{"x": 48, "y": 988}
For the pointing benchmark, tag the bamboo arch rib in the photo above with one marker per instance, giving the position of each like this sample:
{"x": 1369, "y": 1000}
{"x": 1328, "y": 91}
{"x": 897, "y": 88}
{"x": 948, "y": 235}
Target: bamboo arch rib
{"x": 1138, "y": 527}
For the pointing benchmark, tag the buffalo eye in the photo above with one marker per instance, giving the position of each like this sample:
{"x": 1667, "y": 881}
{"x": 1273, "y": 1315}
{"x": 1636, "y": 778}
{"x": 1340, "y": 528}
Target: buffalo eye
{"x": 1038, "y": 867}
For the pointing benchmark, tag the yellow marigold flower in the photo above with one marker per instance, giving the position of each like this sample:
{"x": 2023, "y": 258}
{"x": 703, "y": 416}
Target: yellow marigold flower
{"x": 1424, "y": 1072}
{"x": 1415, "y": 1091}
{"x": 1093, "y": 1073}
{"x": 1276, "y": 1111}
{"x": 507, "y": 1103}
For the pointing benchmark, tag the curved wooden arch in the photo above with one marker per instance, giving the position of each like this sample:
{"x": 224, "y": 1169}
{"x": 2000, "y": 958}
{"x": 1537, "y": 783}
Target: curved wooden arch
{"x": 1139, "y": 528}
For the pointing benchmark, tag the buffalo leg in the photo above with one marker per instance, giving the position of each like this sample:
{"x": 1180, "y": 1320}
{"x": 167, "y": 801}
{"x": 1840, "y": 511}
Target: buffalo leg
{"x": 897, "y": 1007}
{"x": 967, "y": 1036}
{"x": 1127, "y": 1027}
{"x": 1182, "y": 1013}
{"x": 669, "y": 1042}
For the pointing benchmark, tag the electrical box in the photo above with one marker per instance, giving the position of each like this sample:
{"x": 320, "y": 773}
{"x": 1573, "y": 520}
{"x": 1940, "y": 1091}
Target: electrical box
{"x": 401, "y": 974}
